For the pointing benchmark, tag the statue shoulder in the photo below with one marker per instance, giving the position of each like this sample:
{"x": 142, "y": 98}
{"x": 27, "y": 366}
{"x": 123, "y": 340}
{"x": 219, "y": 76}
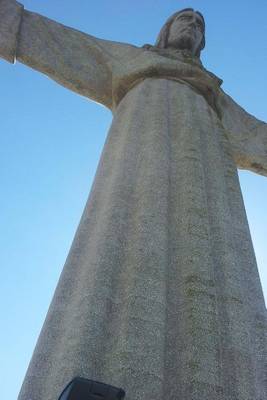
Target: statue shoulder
{"x": 119, "y": 51}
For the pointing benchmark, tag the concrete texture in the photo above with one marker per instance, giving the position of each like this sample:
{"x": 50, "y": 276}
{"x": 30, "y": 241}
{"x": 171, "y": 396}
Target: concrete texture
{"x": 10, "y": 19}
{"x": 160, "y": 294}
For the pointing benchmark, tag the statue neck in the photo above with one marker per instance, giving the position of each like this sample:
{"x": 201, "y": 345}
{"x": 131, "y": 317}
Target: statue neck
{"x": 176, "y": 54}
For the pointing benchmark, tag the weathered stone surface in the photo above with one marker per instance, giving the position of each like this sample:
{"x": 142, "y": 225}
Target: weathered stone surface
{"x": 10, "y": 19}
{"x": 160, "y": 293}
{"x": 247, "y": 135}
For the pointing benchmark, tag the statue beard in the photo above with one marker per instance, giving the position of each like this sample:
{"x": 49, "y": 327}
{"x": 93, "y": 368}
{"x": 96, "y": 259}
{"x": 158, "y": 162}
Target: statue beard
{"x": 183, "y": 42}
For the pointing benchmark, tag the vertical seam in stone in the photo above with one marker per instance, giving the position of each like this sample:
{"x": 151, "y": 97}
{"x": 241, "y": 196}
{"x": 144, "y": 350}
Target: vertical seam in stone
{"x": 167, "y": 271}
{"x": 206, "y": 174}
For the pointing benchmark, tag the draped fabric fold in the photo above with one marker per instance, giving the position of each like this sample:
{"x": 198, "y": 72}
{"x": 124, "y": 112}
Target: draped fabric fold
{"x": 160, "y": 293}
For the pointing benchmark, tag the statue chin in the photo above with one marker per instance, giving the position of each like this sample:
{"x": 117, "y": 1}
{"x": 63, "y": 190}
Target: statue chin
{"x": 185, "y": 42}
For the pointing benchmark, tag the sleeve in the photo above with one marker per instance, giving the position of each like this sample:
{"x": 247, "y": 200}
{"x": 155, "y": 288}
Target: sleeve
{"x": 74, "y": 59}
{"x": 247, "y": 136}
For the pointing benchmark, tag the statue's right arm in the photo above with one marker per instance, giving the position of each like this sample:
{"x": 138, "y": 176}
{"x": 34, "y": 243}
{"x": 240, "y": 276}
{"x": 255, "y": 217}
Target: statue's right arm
{"x": 76, "y": 60}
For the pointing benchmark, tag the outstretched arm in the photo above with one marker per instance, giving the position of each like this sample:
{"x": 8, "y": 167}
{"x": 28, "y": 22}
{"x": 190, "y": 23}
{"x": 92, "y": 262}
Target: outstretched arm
{"x": 76, "y": 60}
{"x": 10, "y": 19}
{"x": 247, "y": 135}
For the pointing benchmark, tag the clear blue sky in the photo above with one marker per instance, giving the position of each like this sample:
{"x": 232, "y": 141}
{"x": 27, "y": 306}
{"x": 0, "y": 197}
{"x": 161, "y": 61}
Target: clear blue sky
{"x": 51, "y": 141}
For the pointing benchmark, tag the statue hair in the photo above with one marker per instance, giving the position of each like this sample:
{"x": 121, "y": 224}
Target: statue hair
{"x": 164, "y": 32}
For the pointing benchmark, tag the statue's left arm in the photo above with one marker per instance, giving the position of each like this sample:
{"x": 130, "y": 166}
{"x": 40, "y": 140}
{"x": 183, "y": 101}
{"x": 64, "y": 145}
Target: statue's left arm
{"x": 247, "y": 135}
{"x": 72, "y": 58}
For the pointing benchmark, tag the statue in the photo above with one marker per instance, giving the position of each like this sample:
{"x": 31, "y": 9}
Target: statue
{"x": 160, "y": 293}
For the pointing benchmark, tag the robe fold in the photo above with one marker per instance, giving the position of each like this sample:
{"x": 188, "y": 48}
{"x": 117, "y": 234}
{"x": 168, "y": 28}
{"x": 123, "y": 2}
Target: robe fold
{"x": 160, "y": 293}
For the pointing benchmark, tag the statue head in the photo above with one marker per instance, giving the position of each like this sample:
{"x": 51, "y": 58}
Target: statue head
{"x": 184, "y": 30}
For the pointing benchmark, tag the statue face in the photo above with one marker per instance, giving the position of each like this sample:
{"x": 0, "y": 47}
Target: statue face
{"x": 186, "y": 32}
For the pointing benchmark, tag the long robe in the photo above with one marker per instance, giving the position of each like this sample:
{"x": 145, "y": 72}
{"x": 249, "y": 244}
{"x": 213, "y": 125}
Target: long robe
{"x": 160, "y": 293}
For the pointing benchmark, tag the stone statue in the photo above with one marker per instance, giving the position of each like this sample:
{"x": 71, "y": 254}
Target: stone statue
{"x": 160, "y": 294}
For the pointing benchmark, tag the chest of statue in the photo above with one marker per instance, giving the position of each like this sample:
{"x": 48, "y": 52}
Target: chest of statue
{"x": 163, "y": 64}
